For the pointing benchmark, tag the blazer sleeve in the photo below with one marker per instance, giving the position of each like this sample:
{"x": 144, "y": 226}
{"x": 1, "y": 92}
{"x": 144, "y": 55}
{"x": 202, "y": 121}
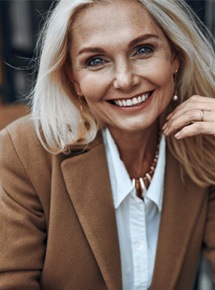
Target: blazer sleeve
{"x": 22, "y": 223}
{"x": 209, "y": 237}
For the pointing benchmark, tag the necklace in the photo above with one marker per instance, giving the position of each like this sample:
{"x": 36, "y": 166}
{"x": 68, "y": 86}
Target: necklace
{"x": 142, "y": 183}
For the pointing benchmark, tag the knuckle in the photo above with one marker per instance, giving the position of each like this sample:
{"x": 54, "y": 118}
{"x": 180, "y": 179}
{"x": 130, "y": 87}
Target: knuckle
{"x": 191, "y": 115}
{"x": 210, "y": 116}
{"x": 194, "y": 98}
{"x": 198, "y": 126}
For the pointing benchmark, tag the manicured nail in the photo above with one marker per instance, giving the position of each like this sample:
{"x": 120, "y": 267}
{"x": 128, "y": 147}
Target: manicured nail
{"x": 177, "y": 135}
{"x": 169, "y": 116}
{"x": 164, "y": 126}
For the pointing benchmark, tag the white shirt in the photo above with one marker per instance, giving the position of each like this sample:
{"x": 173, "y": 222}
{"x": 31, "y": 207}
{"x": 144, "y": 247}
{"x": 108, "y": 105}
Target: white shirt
{"x": 137, "y": 220}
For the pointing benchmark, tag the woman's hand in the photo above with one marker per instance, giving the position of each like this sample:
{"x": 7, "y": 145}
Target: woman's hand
{"x": 193, "y": 117}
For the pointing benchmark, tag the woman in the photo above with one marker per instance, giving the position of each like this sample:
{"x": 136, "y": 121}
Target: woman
{"x": 93, "y": 194}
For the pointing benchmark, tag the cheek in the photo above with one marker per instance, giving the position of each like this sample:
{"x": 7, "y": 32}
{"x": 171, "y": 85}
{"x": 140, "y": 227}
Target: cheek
{"x": 162, "y": 73}
{"x": 163, "y": 79}
{"x": 159, "y": 68}
{"x": 92, "y": 92}
{"x": 93, "y": 87}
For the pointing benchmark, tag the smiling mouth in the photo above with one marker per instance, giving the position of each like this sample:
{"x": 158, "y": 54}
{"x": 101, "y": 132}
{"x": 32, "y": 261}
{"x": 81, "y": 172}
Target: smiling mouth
{"x": 136, "y": 101}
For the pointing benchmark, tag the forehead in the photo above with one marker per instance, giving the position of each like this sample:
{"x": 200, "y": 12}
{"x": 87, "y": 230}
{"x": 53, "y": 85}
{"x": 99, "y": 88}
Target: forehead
{"x": 117, "y": 17}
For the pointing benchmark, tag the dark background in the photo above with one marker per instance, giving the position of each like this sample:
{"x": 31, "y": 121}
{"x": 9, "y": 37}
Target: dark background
{"x": 20, "y": 23}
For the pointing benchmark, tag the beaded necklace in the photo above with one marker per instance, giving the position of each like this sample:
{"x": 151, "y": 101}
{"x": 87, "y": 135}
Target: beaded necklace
{"x": 142, "y": 183}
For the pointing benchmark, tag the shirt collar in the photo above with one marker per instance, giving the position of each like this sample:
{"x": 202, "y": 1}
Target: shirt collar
{"x": 120, "y": 181}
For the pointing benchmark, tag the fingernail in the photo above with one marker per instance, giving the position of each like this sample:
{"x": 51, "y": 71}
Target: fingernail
{"x": 164, "y": 127}
{"x": 169, "y": 116}
{"x": 177, "y": 135}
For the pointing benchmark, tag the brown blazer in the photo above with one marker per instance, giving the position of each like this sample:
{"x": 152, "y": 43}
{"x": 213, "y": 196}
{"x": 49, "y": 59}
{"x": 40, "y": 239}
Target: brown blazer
{"x": 9, "y": 113}
{"x": 57, "y": 220}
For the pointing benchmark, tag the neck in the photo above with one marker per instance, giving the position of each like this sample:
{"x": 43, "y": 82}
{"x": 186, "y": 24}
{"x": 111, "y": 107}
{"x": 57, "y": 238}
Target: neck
{"x": 136, "y": 149}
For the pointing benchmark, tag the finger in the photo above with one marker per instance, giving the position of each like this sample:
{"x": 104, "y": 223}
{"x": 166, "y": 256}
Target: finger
{"x": 186, "y": 120}
{"x": 208, "y": 116}
{"x": 197, "y": 102}
{"x": 195, "y": 129}
{"x": 176, "y": 122}
{"x": 183, "y": 119}
{"x": 196, "y": 108}
{"x": 207, "y": 106}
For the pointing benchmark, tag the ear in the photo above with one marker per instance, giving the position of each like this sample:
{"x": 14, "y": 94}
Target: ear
{"x": 77, "y": 87}
{"x": 74, "y": 82}
{"x": 175, "y": 63}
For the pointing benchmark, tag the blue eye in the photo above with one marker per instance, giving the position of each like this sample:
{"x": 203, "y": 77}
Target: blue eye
{"x": 96, "y": 61}
{"x": 144, "y": 50}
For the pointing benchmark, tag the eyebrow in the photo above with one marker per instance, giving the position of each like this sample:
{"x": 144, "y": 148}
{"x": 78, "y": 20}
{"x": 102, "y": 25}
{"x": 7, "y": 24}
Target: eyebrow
{"x": 132, "y": 43}
{"x": 143, "y": 38}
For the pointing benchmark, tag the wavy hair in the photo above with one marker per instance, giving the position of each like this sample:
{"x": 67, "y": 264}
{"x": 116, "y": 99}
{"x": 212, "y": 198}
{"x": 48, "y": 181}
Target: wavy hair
{"x": 56, "y": 113}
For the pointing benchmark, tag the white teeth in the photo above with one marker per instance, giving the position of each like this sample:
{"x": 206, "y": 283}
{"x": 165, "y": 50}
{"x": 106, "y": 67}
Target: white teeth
{"x": 132, "y": 102}
{"x": 143, "y": 98}
{"x": 120, "y": 103}
{"x": 135, "y": 101}
{"x": 129, "y": 103}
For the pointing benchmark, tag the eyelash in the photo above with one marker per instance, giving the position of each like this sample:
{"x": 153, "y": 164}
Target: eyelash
{"x": 148, "y": 49}
{"x": 92, "y": 61}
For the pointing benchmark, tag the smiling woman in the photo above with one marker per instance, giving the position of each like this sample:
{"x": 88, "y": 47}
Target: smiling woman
{"x": 115, "y": 165}
{"x": 126, "y": 60}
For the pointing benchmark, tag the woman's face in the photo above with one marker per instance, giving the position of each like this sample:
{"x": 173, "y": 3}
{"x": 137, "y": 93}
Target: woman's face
{"x": 122, "y": 64}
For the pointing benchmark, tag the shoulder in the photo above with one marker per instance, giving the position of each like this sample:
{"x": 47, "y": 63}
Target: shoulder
{"x": 20, "y": 137}
{"x": 19, "y": 143}
{"x": 23, "y": 159}
{"x": 19, "y": 131}
{"x": 22, "y": 134}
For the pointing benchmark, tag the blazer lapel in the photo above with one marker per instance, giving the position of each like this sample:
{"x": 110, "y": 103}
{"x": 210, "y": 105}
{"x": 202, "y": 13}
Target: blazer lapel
{"x": 182, "y": 203}
{"x": 87, "y": 181}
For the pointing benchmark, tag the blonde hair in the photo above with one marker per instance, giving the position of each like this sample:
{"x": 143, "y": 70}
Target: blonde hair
{"x": 58, "y": 120}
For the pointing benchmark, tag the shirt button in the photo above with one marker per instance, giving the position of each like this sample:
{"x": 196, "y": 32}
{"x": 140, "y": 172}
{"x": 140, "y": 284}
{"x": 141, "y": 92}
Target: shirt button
{"x": 139, "y": 246}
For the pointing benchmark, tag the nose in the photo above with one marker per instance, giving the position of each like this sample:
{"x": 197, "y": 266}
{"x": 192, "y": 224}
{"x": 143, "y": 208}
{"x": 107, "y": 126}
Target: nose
{"x": 125, "y": 77}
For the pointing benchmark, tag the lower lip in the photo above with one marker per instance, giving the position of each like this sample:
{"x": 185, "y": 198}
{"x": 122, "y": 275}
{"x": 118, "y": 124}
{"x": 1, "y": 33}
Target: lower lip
{"x": 133, "y": 109}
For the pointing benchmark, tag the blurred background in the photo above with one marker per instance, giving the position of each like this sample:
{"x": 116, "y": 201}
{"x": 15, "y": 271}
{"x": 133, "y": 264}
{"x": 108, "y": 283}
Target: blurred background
{"x": 20, "y": 23}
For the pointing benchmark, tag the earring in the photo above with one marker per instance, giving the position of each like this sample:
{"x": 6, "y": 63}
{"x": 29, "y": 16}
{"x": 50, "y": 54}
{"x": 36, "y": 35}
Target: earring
{"x": 175, "y": 98}
{"x": 80, "y": 103}
{"x": 175, "y": 76}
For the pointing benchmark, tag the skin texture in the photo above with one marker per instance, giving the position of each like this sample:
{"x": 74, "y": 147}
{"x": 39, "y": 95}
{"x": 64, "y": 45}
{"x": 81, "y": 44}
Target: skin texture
{"x": 119, "y": 56}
